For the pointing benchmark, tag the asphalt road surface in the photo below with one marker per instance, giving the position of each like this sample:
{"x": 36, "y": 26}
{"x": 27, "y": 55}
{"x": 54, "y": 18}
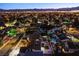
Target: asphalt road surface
{"x": 7, "y": 48}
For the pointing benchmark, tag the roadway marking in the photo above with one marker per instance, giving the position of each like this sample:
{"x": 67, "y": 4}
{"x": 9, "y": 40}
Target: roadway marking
{"x": 4, "y": 44}
{"x": 15, "y": 50}
{"x": 17, "y": 44}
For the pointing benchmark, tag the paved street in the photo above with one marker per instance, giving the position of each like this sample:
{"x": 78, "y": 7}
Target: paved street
{"x": 7, "y": 48}
{"x": 15, "y": 50}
